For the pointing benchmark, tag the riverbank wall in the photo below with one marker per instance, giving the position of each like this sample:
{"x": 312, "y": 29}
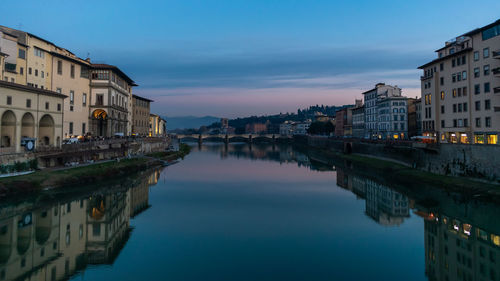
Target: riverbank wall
{"x": 88, "y": 151}
{"x": 473, "y": 161}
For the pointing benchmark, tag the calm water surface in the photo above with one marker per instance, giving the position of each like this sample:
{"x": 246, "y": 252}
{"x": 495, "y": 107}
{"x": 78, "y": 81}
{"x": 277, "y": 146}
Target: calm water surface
{"x": 248, "y": 213}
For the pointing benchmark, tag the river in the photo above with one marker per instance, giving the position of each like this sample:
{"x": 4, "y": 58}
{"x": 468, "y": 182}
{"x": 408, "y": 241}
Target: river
{"x": 241, "y": 212}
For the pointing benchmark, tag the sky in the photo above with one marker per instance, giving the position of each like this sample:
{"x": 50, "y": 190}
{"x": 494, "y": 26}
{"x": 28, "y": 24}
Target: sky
{"x": 235, "y": 58}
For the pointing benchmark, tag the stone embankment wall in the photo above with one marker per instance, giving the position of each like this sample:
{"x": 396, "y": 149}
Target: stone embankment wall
{"x": 86, "y": 151}
{"x": 477, "y": 161}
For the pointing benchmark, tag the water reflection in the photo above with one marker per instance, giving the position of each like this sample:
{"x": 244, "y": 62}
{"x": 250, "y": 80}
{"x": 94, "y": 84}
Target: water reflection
{"x": 53, "y": 241}
{"x": 67, "y": 234}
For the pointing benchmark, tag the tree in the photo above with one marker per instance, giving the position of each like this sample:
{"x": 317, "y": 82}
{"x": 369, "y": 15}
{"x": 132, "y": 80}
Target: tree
{"x": 321, "y": 128}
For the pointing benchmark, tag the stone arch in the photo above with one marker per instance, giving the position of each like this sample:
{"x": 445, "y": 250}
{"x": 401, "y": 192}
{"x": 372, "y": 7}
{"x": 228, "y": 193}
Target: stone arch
{"x": 46, "y": 131}
{"x": 24, "y": 230}
{"x": 5, "y": 241}
{"x": 99, "y": 122}
{"x": 8, "y": 129}
{"x": 28, "y": 126}
{"x": 43, "y": 223}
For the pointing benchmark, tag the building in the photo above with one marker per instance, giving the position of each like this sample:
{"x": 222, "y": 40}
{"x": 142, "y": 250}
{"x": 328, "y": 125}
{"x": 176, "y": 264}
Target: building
{"x": 28, "y": 112}
{"x": 110, "y": 101}
{"x": 460, "y": 89}
{"x": 286, "y": 128}
{"x": 413, "y": 117}
{"x": 70, "y": 77}
{"x": 358, "y": 122}
{"x": 371, "y": 112}
{"x": 100, "y": 95}
{"x": 392, "y": 117}
{"x": 342, "y": 119}
{"x": 256, "y": 128}
{"x": 140, "y": 115}
{"x": 157, "y": 126}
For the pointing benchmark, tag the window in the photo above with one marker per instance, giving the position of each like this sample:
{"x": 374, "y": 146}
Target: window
{"x": 9, "y": 100}
{"x": 464, "y": 91}
{"x": 71, "y": 108}
{"x": 454, "y": 93}
{"x": 71, "y": 97}
{"x": 36, "y": 72}
{"x": 59, "y": 67}
{"x": 478, "y": 105}
{"x": 465, "y": 107}
{"x": 442, "y": 124}
{"x": 454, "y": 123}
{"x": 476, "y": 72}
{"x": 42, "y": 74}
{"x": 486, "y": 70}
{"x": 21, "y": 54}
{"x": 441, "y": 67}
{"x": 486, "y": 52}
{"x": 99, "y": 99}
{"x": 455, "y": 107}
{"x": 459, "y": 107}
{"x": 466, "y": 122}
{"x": 100, "y": 75}
{"x": 47, "y": 106}
{"x": 442, "y": 95}
{"x": 453, "y": 63}
{"x": 477, "y": 89}
{"x": 39, "y": 52}
{"x": 58, "y": 107}
{"x": 476, "y": 55}
{"x": 84, "y": 99}
{"x": 72, "y": 71}
{"x": 21, "y": 70}
{"x": 491, "y": 32}
{"x": 70, "y": 128}
{"x": 454, "y": 78}
{"x": 464, "y": 60}
{"x": 487, "y": 105}
{"x": 442, "y": 109}
{"x": 28, "y": 103}
{"x": 83, "y": 129}
{"x": 478, "y": 122}
{"x": 29, "y": 70}
{"x": 84, "y": 72}
{"x": 459, "y": 90}
{"x": 441, "y": 81}
{"x": 487, "y": 87}
{"x": 487, "y": 122}
{"x": 96, "y": 229}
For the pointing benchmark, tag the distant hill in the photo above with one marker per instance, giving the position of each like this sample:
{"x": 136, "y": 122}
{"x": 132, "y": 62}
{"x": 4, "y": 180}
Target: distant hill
{"x": 189, "y": 122}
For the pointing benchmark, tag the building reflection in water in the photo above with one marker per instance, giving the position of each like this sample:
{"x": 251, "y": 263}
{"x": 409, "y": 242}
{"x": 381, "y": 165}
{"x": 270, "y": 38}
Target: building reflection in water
{"x": 457, "y": 249}
{"x": 383, "y": 204}
{"x": 55, "y": 241}
{"x": 462, "y": 239}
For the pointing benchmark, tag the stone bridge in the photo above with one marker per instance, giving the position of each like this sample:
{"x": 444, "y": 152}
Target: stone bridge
{"x": 227, "y": 138}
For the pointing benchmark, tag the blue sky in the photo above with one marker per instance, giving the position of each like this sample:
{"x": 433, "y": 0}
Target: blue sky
{"x": 237, "y": 58}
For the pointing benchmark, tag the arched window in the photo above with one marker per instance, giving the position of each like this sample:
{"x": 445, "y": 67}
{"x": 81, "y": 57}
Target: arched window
{"x": 402, "y": 110}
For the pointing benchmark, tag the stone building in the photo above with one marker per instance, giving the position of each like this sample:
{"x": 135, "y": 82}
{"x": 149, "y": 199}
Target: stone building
{"x": 110, "y": 101}
{"x": 358, "y": 122}
{"x": 392, "y": 118}
{"x": 28, "y": 112}
{"x": 140, "y": 115}
{"x": 371, "y": 97}
{"x": 157, "y": 126}
{"x": 460, "y": 101}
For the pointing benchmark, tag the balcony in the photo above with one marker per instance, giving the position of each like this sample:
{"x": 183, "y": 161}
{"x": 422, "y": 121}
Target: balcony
{"x": 496, "y": 71}
{"x": 496, "y": 54}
